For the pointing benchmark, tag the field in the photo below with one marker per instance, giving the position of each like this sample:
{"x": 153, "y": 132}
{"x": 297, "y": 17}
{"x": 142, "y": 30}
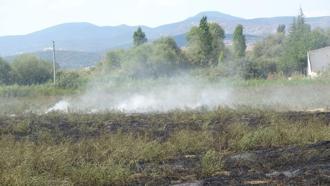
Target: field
{"x": 224, "y": 146}
{"x": 208, "y": 110}
{"x": 243, "y": 132}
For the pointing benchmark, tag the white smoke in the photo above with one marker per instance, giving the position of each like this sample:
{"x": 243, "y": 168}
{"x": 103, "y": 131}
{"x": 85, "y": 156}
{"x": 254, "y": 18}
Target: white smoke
{"x": 62, "y": 106}
{"x": 186, "y": 93}
{"x": 157, "y": 96}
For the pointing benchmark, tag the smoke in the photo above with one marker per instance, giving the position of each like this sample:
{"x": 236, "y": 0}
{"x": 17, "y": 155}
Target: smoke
{"x": 159, "y": 95}
{"x": 186, "y": 92}
{"x": 62, "y": 106}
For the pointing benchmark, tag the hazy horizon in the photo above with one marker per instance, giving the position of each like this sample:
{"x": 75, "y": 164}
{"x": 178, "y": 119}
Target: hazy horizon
{"x": 19, "y": 18}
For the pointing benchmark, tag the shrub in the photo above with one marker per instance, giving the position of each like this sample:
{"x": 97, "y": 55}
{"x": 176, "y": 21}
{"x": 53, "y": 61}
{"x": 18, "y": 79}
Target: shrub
{"x": 29, "y": 70}
{"x": 162, "y": 57}
{"x": 6, "y": 73}
{"x": 211, "y": 163}
{"x": 68, "y": 80}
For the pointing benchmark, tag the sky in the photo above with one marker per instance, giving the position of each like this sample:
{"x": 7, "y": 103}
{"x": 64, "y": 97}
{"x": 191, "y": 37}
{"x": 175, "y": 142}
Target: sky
{"x": 25, "y": 16}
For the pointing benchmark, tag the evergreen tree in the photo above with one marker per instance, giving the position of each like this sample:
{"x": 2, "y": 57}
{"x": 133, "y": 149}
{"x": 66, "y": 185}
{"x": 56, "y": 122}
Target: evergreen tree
{"x": 297, "y": 45}
{"x": 239, "y": 41}
{"x": 139, "y": 37}
{"x": 206, "y": 40}
{"x": 301, "y": 18}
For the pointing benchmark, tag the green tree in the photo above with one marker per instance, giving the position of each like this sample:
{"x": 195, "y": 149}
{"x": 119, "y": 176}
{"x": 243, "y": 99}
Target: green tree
{"x": 5, "y": 72}
{"x": 281, "y": 29}
{"x": 217, "y": 31}
{"x": 166, "y": 56}
{"x": 218, "y": 46}
{"x": 205, "y": 43}
{"x": 139, "y": 37}
{"x": 239, "y": 41}
{"x": 29, "y": 69}
{"x": 270, "y": 47}
{"x": 319, "y": 38}
{"x": 266, "y": 55}
{"x": 194, "y": 51}
{"x": 158, "y": 58}
{"x": 113, "y": 59}
{"x": 298, "y": 42}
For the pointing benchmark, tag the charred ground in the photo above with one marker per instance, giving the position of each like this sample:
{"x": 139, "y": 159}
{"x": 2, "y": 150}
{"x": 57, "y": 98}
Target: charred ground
{"x": 221, "y": 147}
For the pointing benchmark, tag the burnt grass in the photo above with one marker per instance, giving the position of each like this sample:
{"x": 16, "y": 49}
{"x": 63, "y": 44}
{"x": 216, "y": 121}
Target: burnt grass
{"x": 230, "y": 158}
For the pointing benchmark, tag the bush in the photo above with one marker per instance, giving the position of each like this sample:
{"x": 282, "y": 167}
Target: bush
{"x": 162, "y": 57}
{"x": 29, "y": 70}
{"x": 68, "y": 80}
{"x": 211, "y": 163}
{"x": 5, "y": 73}
{"x": 259, "y": 68}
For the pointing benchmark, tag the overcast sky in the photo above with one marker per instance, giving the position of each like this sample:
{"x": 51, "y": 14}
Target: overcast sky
{"x": 25, "y": 16}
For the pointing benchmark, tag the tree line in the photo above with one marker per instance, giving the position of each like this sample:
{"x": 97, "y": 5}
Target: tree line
{"x": 284, "y": 52}
{"x": 205, "y": 48}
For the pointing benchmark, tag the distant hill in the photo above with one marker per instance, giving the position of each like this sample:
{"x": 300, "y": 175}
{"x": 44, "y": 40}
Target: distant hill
{"x": 70, "y": 36}
{"x": 67, "y": 59}
{"x": 86, "y": 37}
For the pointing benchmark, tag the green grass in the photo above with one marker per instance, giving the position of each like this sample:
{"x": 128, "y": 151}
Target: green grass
{"x": 279, "y": 134}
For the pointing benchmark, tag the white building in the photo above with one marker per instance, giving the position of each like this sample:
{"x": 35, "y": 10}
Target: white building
{"x": 317, "y": 61}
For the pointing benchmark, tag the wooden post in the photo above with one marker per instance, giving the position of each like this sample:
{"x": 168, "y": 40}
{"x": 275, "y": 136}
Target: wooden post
{"x": 54, "y": 63}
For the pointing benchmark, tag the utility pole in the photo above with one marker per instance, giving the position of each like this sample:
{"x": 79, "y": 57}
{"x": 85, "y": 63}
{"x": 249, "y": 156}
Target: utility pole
{"x": 54, "y": 63}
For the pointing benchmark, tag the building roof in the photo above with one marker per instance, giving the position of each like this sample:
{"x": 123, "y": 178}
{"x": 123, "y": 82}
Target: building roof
{"x": 319, "y": 59}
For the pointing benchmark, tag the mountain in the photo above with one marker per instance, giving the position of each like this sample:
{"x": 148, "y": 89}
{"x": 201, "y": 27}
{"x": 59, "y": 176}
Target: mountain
{"x": 69, "y": 36}
{"x": 183, "y": 26}
{"x": 86, "y": 37}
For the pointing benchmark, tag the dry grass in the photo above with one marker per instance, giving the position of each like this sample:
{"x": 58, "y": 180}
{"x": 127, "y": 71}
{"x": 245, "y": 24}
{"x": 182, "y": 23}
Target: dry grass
{"x": 74, "y": 149}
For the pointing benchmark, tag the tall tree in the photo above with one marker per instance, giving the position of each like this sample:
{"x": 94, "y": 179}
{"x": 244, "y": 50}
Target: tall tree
{"x": 218, "y": 46}
{"x": 205, "y": 43}
{"x": 139, "y": 37}
{"x": 296, "y": 46}
{"x": 206, "y": 40}
{"x": 239, "y": 41}
{"x": 300, "y": 20}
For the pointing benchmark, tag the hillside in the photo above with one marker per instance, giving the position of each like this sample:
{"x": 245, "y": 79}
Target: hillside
{"x": 68, "y": 59}
{"x": 91, "y": 38}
